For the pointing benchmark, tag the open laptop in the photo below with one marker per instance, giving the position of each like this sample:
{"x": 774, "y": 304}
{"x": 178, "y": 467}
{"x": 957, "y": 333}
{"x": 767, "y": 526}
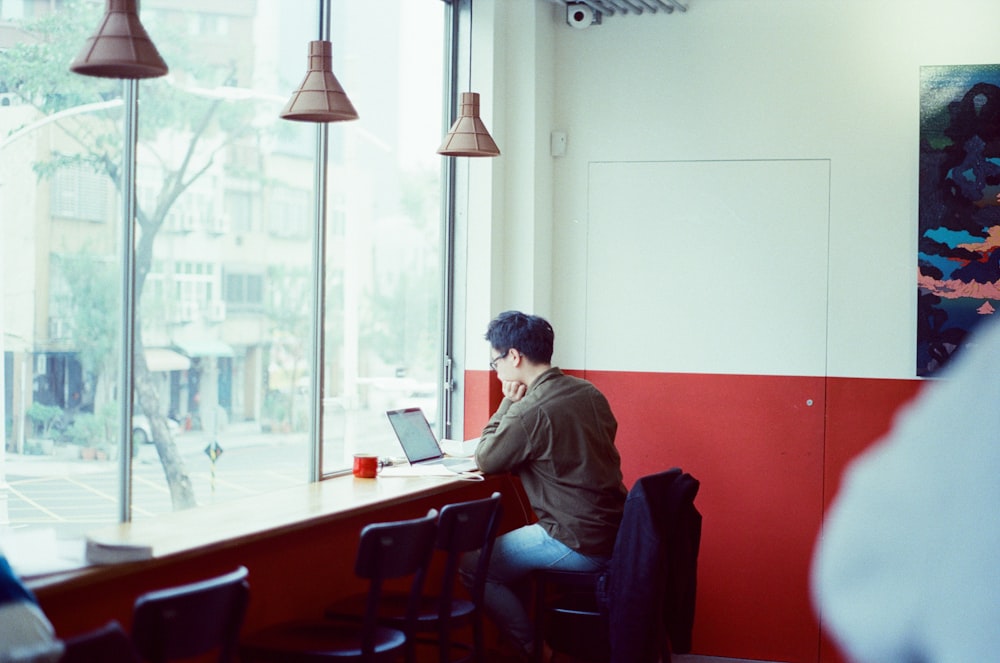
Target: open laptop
{"x": 419, "y": 442}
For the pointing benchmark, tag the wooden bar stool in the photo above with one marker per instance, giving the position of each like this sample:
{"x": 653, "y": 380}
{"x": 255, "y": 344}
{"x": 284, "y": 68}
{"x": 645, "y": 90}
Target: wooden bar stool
{"x": 386, "y": 551}
{"x": 462, "y": 527}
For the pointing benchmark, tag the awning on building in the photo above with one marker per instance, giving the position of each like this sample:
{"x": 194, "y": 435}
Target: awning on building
{"x": 162, "y": 359}
{"x": 204, "y": 347}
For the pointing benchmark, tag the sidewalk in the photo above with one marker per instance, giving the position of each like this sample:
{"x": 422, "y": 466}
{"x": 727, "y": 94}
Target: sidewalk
{"x": 65, "y": 460}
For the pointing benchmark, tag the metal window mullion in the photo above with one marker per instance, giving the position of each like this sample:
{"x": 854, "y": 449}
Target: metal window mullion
{"x": 127, "y": 358}
{"x": 318, "y": 307}
{"x": 319, "y": 278}
{"x": 447, "y": 377}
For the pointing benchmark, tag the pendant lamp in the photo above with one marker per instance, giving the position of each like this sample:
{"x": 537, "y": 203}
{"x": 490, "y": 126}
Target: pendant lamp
{"x": 468, "y": 136}
{"x": 120, "y": 48}
{"x": 320, "y": 98}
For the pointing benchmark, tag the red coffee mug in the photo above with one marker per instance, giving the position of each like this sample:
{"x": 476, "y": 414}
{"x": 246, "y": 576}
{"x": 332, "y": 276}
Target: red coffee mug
{"x": 365, "y": 466}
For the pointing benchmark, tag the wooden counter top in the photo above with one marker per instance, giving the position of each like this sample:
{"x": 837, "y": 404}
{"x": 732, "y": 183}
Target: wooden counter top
{"x": 216, "y": 527}
{"x": 299, "y": 545}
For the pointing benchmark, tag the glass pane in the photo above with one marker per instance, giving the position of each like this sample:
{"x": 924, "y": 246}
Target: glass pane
{"x": 61, "y": 278}
{"x": 383, "y": 270}
{"x": 226, "y": 202}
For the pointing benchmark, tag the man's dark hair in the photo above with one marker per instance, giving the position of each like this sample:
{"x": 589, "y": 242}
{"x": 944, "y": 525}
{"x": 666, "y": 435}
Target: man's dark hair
{"x": 530, "y": 335}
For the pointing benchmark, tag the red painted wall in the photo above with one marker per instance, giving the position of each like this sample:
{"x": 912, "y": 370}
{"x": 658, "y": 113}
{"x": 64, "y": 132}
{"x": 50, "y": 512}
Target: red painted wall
{"x": 769, "y": 463}
{"x": 863, "y": 411}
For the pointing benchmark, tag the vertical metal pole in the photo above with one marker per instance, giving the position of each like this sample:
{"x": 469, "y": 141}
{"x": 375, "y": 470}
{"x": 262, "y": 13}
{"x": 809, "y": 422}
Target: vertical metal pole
{"x": 319, "y": 278}
{"x": 448, "y": 266}
{"x": 126, "y": 377}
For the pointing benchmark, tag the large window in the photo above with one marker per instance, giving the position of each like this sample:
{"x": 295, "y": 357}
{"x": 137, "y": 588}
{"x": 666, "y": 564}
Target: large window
{"x": 226, "y": 286}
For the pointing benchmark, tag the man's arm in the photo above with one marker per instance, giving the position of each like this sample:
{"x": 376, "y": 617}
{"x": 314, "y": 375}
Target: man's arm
{"x": 504, "y": 443}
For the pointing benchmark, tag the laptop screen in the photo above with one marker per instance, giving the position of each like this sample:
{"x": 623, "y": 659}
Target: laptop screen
{"x": 415, "y": 434}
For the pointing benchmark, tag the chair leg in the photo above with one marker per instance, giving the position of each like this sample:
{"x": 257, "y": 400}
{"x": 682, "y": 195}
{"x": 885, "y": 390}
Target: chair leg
{"x": 444, "y": 644}
{"x": 410, "y": 648}
{"x": 478, "y": 639}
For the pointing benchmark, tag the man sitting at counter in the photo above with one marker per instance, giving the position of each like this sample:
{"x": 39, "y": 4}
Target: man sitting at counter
{"x": 556, "y": 433}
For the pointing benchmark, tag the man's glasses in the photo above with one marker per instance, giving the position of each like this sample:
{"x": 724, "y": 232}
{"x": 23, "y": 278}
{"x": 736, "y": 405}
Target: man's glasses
{"x": 493, "y": 362}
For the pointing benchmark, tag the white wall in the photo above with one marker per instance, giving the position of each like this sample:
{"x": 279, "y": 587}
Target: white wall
{"x": 689, "y": 272}
{"x": 728, "y": 80}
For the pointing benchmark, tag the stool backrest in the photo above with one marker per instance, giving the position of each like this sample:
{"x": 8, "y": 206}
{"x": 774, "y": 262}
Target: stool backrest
{"x": 464, "y": 527}
{"x": 193, "y": 619}
{"x": 107, "y": 644}
{"x": 394, "y": 550}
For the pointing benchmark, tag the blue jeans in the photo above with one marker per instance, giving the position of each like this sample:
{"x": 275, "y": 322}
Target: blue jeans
{"x": 508, "y": 580}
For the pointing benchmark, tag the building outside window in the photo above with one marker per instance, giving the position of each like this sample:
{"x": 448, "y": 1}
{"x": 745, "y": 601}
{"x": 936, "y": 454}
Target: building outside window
{"x": 244, "y": 291}
{"x": 78, "y": 192}
{"x": 225, "y": 283}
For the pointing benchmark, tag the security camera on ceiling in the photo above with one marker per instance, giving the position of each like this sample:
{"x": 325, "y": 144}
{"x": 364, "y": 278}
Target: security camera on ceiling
{"x": 580, "y": 15}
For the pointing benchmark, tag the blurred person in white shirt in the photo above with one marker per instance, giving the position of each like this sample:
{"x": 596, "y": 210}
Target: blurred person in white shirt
{"x": 907, "y": 566}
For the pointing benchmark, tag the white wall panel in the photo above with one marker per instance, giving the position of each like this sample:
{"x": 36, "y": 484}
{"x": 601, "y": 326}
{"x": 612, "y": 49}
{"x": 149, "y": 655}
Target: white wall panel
{"x": 708, "y": 266}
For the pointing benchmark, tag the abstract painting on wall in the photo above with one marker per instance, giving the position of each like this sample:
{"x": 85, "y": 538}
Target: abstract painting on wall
{"x": 958, "y": 262}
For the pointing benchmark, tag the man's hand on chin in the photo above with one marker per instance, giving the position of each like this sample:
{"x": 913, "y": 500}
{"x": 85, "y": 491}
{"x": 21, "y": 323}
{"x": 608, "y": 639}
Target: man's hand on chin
{"x": 514, "y": 390}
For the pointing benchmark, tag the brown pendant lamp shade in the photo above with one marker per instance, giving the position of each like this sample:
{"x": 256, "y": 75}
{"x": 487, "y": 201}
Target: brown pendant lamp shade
{"x": 468, "y": 137}
{"x": 120, "y": 48}
{"x": 320, "y": 97}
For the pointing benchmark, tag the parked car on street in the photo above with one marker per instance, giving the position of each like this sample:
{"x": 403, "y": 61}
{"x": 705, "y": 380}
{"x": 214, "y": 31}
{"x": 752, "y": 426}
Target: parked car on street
{"x": 142, "y": 433}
